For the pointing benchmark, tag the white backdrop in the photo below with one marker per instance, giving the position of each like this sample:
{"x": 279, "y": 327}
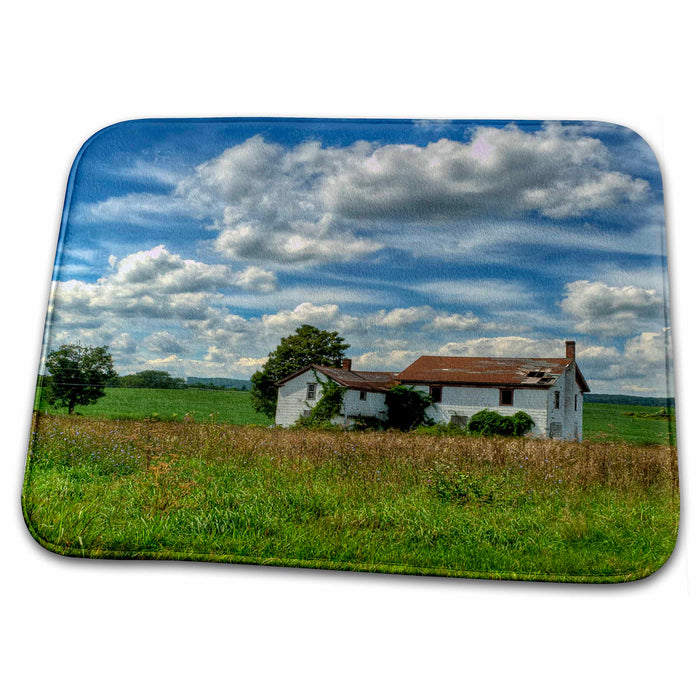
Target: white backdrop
{"x": 86, "y": 629}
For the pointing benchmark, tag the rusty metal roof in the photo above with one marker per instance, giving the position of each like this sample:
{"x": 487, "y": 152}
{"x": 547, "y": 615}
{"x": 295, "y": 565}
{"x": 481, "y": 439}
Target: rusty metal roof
{"x": 535, "y": 372}
{"x": 365, "y": 381}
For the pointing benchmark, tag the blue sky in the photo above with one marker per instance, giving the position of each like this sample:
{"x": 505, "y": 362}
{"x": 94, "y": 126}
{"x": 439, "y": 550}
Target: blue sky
{"x": 194, "y": 246}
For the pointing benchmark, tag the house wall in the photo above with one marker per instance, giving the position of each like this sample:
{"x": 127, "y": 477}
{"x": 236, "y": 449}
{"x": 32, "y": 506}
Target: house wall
{"x": 291, "y": 398}
{"x": 292, "y": 401}
{"x": 572, "y": 418}
{"x": 468, "y": 400}
{"x": 373, "y": 405}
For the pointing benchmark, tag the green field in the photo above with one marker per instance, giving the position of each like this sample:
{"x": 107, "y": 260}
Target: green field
{"x": 390, "y": 502}
{"x": 601, "y": 422}
{"x": 199, "y": 405}
{"x": 613, "y": 423}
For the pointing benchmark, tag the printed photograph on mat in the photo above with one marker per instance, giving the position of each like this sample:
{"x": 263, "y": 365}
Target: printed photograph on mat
{"x": 420, "y": 347}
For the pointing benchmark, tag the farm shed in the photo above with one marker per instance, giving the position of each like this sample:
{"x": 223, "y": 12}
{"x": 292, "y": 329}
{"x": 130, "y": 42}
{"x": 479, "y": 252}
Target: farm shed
{"x": 550, "y": 390}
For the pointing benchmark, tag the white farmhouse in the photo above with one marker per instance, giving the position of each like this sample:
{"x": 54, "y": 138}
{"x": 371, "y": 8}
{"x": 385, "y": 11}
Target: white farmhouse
{"x": 550, "y": 390}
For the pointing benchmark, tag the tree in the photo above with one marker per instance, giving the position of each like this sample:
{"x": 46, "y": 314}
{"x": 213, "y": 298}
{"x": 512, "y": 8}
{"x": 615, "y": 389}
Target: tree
{"x": 78, "y": 375}
{"x": 308, "y": 345}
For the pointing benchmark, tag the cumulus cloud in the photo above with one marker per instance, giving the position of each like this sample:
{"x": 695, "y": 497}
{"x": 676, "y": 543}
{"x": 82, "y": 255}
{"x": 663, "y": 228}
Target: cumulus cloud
{"x": 649, "y": 348}
{"x": 255, "y": 279}
{"x": 499, "y": 171}
{"x": 163, "y": 342}
{"x": 151, "y": 284}
{"x": 505, "y": 346}
{"x": 400, "y": 318}
{"x": 606, "y": 310}
{"x": 310, "y": 203}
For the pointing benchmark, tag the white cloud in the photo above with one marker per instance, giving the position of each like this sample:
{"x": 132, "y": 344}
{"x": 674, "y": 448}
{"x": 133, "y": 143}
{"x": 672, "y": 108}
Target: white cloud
{"x": 500, "y": 171}
{"x": 605, "y": 310}
{"x": 255, "y": 279}
{"x": 649, "y": 348}
{"x": 400, "y": 318}
{"x": 162, "y": 341}
{"x": 505, "y": 346}
{"x": 311, "y": 203}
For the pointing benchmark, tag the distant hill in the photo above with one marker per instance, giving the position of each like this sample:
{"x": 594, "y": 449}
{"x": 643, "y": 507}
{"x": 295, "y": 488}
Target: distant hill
{"x": 669, "y": 402}
{"x": 220, "y": 383}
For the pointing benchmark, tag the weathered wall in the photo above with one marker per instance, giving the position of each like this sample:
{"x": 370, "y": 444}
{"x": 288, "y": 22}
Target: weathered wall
{"x": 468, "y": 400}
{"x": 292, "y": 401}
{"x": 373, "y": 405}
{"x": 291, "y": 398}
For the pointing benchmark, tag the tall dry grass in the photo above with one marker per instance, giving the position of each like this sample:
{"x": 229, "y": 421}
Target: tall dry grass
{"x": 402, "y": 457}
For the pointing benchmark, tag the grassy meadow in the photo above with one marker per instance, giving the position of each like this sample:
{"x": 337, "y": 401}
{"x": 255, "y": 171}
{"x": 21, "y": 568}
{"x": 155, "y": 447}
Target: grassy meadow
{"x": 388, "y": 502}
{"x": 199, "y": 405}
{"x": 637, "y": 425}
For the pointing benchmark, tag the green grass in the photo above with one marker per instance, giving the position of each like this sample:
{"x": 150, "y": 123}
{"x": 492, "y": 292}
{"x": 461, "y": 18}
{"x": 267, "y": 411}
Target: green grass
{"x": 200, "y": 405}
{"x": 611, "y": 422}
{"x": 392, "y": 502}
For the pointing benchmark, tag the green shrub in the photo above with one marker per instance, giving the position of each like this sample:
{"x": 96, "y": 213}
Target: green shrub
{"x": 488, "y": 422}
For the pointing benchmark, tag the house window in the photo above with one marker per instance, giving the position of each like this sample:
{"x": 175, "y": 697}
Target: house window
{"x": 556, "y": 399}
{"x": 575, "y": 402}
{"x": 506, "y": 397}
{"x": 459, "y": 421}
{"x": 436, "y": 394}
{"x": 310, "y": 392}
{"x": 363, "y": 396}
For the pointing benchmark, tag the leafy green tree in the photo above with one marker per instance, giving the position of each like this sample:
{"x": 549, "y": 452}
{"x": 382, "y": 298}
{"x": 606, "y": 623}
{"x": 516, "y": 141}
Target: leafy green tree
{"x": 307, "y": 345}
{"x": 78, "y": 375}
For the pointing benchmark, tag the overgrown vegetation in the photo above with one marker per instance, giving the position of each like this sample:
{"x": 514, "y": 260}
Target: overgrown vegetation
{"x": 493, "y": 423}
{"x": 327, "y": 407}
{"x": 394, "y": 502}
{"x": 406, "y": 408}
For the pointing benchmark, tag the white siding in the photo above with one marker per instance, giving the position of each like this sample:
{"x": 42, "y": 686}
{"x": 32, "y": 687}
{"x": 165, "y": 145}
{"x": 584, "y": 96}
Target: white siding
{"x": 373, "y": 405}
{"x": 569, "y": 415}
{"x": 468, "y": 400}
{"x": 291, "y": 397}
{"x": 292, "y": 401}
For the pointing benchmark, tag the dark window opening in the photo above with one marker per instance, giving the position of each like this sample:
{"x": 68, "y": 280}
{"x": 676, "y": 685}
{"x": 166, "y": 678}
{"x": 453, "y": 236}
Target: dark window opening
{"x": 556, "y": 399}
{"x": 310, "y": 392}
{"x": 436, "y": 394}
{"x": 575, "y": 402}
{"x": 506, "y": 397}
{"x": 363, "y": 396}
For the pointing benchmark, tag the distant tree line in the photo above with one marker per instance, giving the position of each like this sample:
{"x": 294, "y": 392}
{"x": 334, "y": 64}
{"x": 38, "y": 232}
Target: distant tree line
{"x": 150, "y": 379}
{"x": 667, "y": 402}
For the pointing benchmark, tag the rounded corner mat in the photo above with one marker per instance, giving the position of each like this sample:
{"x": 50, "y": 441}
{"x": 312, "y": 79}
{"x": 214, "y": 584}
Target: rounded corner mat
{"x": 435, "y": 347}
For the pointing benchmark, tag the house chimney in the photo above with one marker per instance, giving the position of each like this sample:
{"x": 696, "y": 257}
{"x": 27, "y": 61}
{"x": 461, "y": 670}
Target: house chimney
{"x": 570, "y": 349}
{"x": 347, "y": 364}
